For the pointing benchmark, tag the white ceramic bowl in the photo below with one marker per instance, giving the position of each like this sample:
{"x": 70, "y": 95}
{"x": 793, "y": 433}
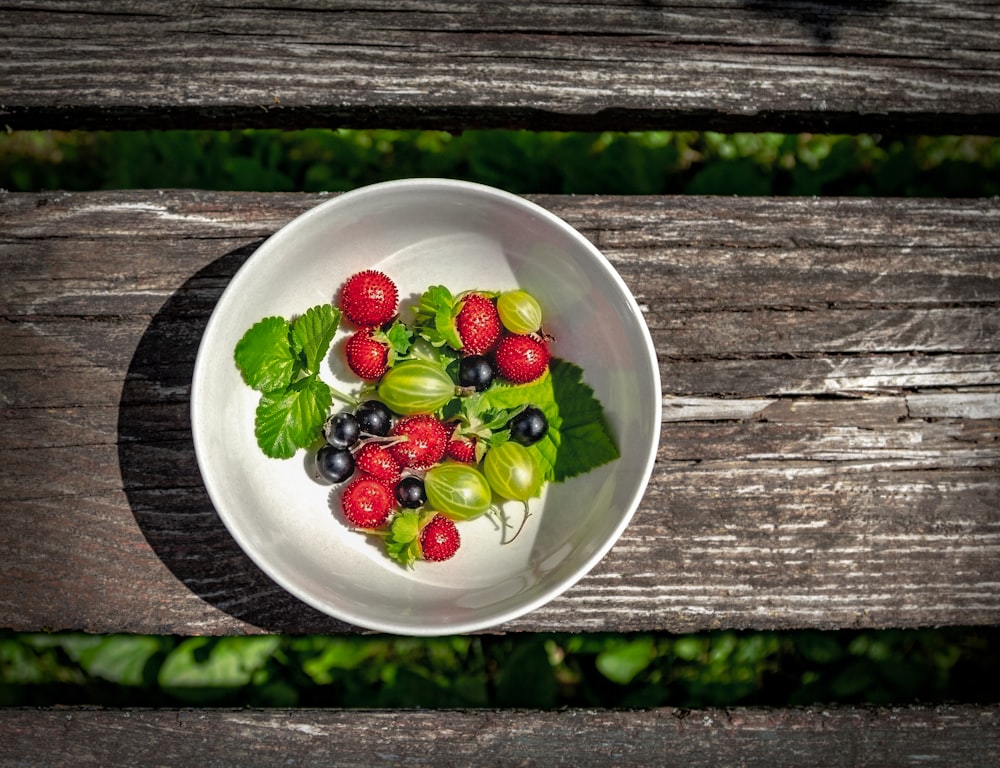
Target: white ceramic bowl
{"x": 423, "y": 232}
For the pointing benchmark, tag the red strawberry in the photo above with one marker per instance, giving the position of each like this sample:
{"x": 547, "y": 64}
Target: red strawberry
{"x": 462, "y": 450}
{"x": 425, "y": 443}
{"x": 439, "y": 539}
{"x": 376, "y": 461}
{"x": 522, "y": 359}
{"x": 367, "y": 502}
{"x": 478, "y": 324}
{"x": 369, "y": 298}
{"x": 366, "y": 355}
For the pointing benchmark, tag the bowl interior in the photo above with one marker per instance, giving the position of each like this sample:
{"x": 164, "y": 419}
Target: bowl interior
{"x": 421, "y": 233}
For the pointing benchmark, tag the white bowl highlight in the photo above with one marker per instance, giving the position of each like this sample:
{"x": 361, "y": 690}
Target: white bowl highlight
{"x": 423, "y": 232}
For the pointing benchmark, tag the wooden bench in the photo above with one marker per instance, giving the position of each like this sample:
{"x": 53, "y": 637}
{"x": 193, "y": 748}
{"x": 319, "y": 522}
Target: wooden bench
{"x": 831, "y": 367}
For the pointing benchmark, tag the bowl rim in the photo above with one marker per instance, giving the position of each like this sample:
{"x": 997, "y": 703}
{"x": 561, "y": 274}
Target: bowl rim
{"x": 545, "y": 595}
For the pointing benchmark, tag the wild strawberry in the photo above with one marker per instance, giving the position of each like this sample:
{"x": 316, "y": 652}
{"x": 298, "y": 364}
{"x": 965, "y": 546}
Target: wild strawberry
{"x": 461, "y": 449}
{"x": 366, "y": 355}
{"x": 376, "y": 461}
{"x": 369, "y": 298}
{"x": 478, "y": 324}
{"x": 425, "y": 441}
{"x": 367, "y": 502}
{"x": 439, "y": 539}
{"x": 522, "y": 359}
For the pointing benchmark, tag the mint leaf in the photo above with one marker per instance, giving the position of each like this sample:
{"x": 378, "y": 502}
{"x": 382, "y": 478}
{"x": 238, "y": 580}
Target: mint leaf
{"x": 265, "y": 357}
{"x": 291, "y": 418}
{"x": 435, "y": 317}
{"x": 313, "y": 332}
{"x": 282, "y": 360}
{"x": 400, "y": 339}
{"x": 402, "y": 543}
{"x": 584, "y": 437}
{"x": 578, "y": 438}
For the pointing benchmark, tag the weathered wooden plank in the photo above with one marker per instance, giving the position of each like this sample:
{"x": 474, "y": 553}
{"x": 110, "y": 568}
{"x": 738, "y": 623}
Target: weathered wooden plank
{"x": 560, "y": 64}
{"x": 855, "y": 737}
{"x": 691, "y": 253}
{"x": 829, "y": 454}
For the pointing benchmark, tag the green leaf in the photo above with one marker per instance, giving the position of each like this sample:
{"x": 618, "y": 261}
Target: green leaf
{"x": 204, "y": 669}
{"x": 265, "y": 357}
{"x": 585, "y": 439}
{"x": 290, "y": 419}
{"x": 313, "y": 332}
{"x": 337, "y": 653}
{"x": 120, "y": 658}
{"x": 402, "y": 544}
{"x": 435, "y": 317}
{"x": 622, "y": 663}
{"x": 400, "y": 339}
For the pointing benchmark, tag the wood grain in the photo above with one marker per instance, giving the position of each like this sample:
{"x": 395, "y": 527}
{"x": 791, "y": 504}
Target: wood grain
{"x": 787, "y": 65}
{"x": 911, "y": 736}
{"x": 829, "y": 454}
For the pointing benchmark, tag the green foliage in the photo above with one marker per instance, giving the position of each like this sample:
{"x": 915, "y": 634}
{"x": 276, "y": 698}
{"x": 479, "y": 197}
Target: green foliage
{"x": 282, "y": 360}
{"x": 650, "y": 162}
{"x": 538, "y": 670}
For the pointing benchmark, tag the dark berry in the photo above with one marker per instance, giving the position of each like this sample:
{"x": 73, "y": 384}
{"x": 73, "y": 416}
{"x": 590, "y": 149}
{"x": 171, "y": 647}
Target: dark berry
{"x": 342, "y": 430}
{"x": 374, "y": 418}
{"x": 410, "y": 492}
{"x": 334, "y": 465}
{"x": 529, "y": 426}
{"x": 475, "y": 371}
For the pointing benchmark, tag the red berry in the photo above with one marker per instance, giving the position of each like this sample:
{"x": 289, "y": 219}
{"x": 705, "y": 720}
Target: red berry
{"x": 439, "y": 539}
{"x": 462, "y": 450}
{"x": 369, "y": 298}
{"x": 366, "y": 356}
{"x": 478, "y": 324}
{"x": 367, "y": 502}
{"x": 425, "y": 443}
{"x": 522, "y": 359}
{"x": 375, "y": 460}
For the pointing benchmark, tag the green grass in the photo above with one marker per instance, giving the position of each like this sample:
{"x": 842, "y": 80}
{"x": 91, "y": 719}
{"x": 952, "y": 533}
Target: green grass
{"x": 551, "y": 670}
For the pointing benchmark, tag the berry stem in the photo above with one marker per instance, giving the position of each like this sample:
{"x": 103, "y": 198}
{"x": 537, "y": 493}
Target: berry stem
{"x": 524, "y": 519}
{"x": 351, "y": 400}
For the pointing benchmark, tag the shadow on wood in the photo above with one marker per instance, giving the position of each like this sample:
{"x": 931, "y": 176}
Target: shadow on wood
{"x": 155, "y": 447}
{"x": 819, "y": 18}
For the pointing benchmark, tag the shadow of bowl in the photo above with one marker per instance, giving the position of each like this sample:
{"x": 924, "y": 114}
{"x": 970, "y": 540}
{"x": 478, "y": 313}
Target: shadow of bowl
{"x": 160, "y": 473}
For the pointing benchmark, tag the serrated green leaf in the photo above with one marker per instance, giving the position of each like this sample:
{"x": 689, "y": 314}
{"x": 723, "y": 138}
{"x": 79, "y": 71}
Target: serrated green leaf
{"x": 264, "y": 355}
{"x": 499, "y": 437}
{"x": 402, "y": 543}
{"x": 584, "y": 437}
{"x": 435, "y": 317}
{"x": 313, "y": 332}
{"x": 400, "y": 339}
{"x": 291, "y": 419}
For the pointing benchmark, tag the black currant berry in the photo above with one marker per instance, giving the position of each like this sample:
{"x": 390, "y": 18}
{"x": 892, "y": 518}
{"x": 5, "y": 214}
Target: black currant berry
{"x": 334, "y": 465}
{"x": 475, "y": 371}
{"x": 374, "y": 418}
{"x": 410, "y": 492}
{"x": 342, "y": 430}
{"x": 529, "y": 426}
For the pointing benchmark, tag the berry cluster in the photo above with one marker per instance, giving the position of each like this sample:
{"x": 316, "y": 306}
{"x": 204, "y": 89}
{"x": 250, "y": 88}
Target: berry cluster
{"x": 410, "y": 471}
